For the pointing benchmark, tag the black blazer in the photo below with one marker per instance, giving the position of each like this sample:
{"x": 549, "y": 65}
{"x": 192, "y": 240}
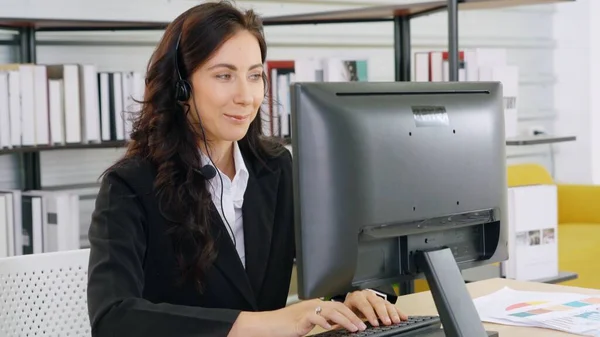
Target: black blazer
{"x": 132, "y": 288}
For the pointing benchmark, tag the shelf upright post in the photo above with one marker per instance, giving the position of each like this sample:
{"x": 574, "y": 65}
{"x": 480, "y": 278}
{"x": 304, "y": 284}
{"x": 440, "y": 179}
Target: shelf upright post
{"x": 30, "y": 161}
{"x": 453, "y": 39}
{"x": 27, "y": 44}
{"x": 402, "y": 48}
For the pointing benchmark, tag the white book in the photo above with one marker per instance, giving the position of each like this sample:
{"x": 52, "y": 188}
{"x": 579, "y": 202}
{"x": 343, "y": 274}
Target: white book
{"x": 104, "y": 92}
{"x": 283, "y": 107}
{"x": 60, "y": 210}
{"x": 14, "y": 96}
{"x": 341, "y": 69}
{"x": 60, "y": 232}
{"x": 490, "y": 57}
{"x": 436, "y": 63}
{"x": 42, "y": 130}
{"x": 4, "y": 111}
{"x": 38, "y": 225}
{"x": 117, "y": 92}
{"x": 421, "y": 68}
{"x": 27, "y": 89}
{"x": 39, "y": 221}
{"x": 477, "y": 58}
{"x": 15, "y": 199}
{"x": 57, "y": 111}
{"x": 90, "y": 109}
{"x": 19, "y": 76}
{"x": 69, "y": 73}
{"x": 33, "y": 227}
{"x": 10, "y": 218}
{"x": 4, "y": 249}
{"x": 308, "y": 70}
{"x": 81, "y": 207}
{"x": 471, "y": 67}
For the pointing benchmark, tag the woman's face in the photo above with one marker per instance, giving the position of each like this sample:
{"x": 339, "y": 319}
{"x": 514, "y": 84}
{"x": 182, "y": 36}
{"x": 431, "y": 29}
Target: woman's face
{"x": 228, "y": 89}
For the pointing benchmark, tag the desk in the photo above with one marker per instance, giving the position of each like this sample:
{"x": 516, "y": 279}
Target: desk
{"x": 422, "y": 304}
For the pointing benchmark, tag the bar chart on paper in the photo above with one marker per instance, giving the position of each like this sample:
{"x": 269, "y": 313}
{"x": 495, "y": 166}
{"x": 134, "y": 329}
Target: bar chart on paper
{"x": 543, "y": 307}
{"x": 574, "y": 313}
{"x": 591, "y": 315}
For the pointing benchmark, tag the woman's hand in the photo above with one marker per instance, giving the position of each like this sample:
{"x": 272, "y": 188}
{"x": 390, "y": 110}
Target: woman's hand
{"x": 367, "y": 304}
{"x": 300, "y": 318}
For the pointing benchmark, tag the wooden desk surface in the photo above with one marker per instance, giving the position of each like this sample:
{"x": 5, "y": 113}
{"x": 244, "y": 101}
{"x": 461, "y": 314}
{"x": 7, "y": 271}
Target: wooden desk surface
{"x": 422, "y": 304}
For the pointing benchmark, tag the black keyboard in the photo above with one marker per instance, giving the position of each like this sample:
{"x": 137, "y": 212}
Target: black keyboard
{"x": 412, "y": 325}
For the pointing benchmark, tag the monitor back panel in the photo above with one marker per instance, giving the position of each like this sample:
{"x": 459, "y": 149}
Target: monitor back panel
{"x": 382, "y": 169}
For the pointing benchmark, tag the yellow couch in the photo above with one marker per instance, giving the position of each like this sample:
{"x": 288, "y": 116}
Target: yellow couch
{"x": 578, "y": 224}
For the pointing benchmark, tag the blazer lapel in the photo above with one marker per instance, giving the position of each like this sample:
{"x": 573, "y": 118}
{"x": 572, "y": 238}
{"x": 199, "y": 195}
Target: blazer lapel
{"x": 228, "y": 261}
{"x": 258, "y": 214}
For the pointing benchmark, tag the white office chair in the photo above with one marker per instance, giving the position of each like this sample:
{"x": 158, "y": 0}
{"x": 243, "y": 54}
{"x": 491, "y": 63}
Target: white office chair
{"x": 44, "y": 295}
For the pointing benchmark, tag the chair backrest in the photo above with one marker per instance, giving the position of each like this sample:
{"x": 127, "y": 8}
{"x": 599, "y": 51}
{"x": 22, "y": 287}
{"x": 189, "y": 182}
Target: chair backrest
{"x": 44, "y": 295}
{"x": 528, "y": 174}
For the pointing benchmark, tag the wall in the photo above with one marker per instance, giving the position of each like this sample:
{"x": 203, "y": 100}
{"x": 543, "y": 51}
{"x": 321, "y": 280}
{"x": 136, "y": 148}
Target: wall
{"x": 577, "y": 32}
{"x": 573, "y": 101}
{"x": 594, "y": 88}
{"x": 528, "y": 38}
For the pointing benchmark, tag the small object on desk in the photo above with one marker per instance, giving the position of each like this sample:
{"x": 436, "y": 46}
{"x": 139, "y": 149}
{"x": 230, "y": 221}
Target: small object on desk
{"x": 414, "y": 324}
{"x": 536, "y": 140}
{"x": 568, "y": 312}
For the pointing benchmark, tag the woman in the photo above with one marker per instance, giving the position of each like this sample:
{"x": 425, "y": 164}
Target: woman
{"x": 181, "y": 249}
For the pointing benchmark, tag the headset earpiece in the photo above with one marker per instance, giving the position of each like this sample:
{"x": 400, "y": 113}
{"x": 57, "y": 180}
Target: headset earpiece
{"x": 182, "y": 91}
{"x": 183, "y": 88}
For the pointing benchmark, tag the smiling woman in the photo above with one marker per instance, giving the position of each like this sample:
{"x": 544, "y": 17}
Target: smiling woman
{"x": 193, "y": 231}
{"x": 229, "y": 90}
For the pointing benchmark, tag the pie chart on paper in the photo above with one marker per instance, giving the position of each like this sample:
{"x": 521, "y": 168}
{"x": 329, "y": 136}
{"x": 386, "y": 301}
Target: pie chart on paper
{"x": 524, "y": 304}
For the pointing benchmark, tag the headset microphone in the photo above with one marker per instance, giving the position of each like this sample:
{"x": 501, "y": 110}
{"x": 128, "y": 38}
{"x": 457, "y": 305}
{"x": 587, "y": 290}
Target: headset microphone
{"x": 207, "y": 171}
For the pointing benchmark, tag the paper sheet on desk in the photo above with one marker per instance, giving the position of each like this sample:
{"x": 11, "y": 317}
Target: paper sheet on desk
{"x": 569, "y": 312}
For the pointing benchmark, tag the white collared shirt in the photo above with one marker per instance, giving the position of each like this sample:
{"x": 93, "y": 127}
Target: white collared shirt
{"x": 233, "y": 198}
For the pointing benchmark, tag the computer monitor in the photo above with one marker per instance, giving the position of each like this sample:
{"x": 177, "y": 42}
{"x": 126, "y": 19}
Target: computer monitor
{"x": 396, "y": 181}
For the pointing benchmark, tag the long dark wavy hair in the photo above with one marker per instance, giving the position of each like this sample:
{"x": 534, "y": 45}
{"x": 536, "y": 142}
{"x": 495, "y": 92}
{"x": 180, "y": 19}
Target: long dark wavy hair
{"x": 163, "y": 135}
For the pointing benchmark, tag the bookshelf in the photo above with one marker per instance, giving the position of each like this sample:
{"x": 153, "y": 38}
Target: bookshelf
{"x": 26, "y": 29}
{"x": 400, "y": 14}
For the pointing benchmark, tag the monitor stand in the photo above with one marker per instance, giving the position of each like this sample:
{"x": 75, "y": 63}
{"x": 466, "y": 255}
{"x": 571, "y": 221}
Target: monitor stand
{"x": 455, "y": 306}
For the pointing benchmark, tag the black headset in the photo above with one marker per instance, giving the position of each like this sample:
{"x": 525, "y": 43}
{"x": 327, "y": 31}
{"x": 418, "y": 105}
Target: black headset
{"x": 183, "y": 92}
{"x": 183, "y": 89}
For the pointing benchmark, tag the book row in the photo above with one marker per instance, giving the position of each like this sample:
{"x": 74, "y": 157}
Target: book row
{"x": 65, "y": 104}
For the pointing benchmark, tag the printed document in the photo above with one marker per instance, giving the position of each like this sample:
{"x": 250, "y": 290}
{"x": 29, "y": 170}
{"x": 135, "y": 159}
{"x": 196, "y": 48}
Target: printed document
{"x": 569, "y": 312}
